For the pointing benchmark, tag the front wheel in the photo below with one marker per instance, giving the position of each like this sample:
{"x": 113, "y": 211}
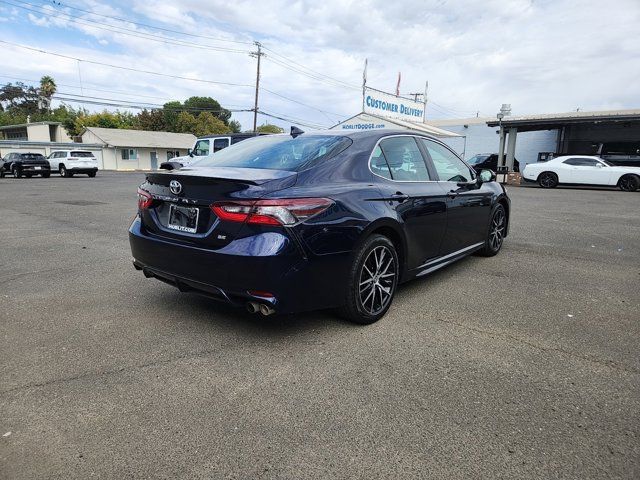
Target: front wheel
{"x": 64, "y": 172}
{"x": 497, "y": 230}
{"x": 548, "y": 180}
{"x": 372, "y": 282}
{"x": 16, "y": 172}
{"x": 629, "y": 183}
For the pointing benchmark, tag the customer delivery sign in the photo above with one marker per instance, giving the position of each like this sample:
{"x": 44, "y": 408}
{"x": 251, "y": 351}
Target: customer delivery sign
{"x": 389, "y": 106}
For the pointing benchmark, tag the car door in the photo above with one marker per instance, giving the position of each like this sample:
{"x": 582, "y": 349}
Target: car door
{"x": 468, "y": 205}
{"x": 587, "y": 171}
{"x": 420, "y": 203}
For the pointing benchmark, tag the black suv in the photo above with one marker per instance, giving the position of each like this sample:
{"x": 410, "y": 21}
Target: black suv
{"x": 25, "y": 164}
{"x": 489, "y": 161}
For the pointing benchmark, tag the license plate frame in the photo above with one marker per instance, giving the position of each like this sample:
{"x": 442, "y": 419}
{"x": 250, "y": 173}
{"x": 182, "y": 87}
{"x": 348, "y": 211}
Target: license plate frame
{"x": 183, "y": 219}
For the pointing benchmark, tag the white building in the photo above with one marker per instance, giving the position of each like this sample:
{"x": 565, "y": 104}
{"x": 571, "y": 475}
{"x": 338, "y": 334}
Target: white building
{"x": 136, "y": 149}
{"x": 476, "y": 137}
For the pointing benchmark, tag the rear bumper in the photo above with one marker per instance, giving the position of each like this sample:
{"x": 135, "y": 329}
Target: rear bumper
{"x": 82, "y": 169}
{"x": 268, "y": 262}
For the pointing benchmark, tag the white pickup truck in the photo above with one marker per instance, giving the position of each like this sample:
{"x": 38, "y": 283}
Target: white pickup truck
{"x": 207, "y": 145}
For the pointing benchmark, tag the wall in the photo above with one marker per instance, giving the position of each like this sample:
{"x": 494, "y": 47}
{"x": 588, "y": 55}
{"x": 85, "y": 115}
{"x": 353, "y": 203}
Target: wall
{"x": 38, "y": 133}
{"x": 483, "y": 139}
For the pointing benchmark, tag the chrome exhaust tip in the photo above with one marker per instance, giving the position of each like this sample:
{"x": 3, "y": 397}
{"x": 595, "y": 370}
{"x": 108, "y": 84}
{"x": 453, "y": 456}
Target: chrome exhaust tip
{"x": 266, "y": 310}
{"x": 253, "y": 307}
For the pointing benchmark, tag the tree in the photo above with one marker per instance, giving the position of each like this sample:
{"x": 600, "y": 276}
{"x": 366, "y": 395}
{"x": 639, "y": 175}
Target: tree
{"x": 19, "y": 99}
{"x": 104, "y": 119}
{"x": 150, "y": 120}
{"x": 270, "y": 128}
{"x": 195, "y": 104}
{"x": 235, "y": 126}
{"x": 47, "y": 90}
{"x": 202, "y": 124}
{"x": 170, "y": 111}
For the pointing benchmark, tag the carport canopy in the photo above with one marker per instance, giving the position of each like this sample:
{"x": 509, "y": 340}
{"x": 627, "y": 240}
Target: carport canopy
{"x": 557, "y": 121}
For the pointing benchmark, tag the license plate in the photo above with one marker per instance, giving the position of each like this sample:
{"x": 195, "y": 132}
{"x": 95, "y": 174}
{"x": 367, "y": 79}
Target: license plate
{"x": 37, "y": 168}
{"x": 183, "y": 219}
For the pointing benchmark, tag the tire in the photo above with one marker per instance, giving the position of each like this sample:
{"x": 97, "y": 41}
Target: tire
{"x": 64, "y": 172}
{"x": 2, "y": 173}
{"x": 629, "y": 183}
{"x": 548, "y": 180}
{"x": 16, "y": 172}
{"x": 46, "y": 175}
{"x": 371, "y": 267}
{"x": 495, "y": 232}
{"x": 91, "y": 174}
{"x": 28, "y": 175}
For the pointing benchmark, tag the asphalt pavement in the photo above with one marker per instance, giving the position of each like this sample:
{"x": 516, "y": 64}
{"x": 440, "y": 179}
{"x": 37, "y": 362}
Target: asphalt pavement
{"x": 524, "y": 365}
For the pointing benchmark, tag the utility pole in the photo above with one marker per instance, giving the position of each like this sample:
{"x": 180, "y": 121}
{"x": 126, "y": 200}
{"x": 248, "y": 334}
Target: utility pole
{"x": 257, "y": 54}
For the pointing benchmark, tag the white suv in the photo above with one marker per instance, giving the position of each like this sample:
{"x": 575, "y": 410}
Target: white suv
{"x": 69, "y": 162}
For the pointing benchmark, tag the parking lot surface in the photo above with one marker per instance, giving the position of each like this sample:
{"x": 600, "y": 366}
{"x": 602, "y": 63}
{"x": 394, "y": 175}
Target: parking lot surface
{"x": 524, "y": 365}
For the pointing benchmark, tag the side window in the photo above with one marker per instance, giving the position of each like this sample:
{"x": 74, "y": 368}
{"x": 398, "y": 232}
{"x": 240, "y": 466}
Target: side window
{"x": 404, "y": 160}
{"x": 220, "y": 143}
{"x": 201, "y": 148}
{"x": 379, "y": 164}
{"x": 589, "y": 162}
{"x": 449, "y": 167}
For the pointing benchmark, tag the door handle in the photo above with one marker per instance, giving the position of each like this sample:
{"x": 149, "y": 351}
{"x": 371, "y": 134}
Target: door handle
{"x": 399, "y": 197}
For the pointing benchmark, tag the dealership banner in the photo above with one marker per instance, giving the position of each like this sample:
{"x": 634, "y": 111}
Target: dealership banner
{"x": 390, "y": 106}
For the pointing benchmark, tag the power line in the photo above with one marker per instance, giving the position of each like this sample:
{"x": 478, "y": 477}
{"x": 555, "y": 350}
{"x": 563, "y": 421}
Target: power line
{"x": 292, "y": 120}
{"x": 303, "y": 104}
{"x": 115, "y": 29}
{"x": 217, "y": 39}
{"x": 125, "y": 68}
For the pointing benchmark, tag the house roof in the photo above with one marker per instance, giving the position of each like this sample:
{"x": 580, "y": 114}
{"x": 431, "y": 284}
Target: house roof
{"x": 120, "y": 137}
{"x": 419, "y": 126}
{"x": 7, "y": 127}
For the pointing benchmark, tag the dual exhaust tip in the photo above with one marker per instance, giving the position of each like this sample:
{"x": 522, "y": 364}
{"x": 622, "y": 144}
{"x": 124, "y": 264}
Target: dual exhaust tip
{"x": 263, "y": 308}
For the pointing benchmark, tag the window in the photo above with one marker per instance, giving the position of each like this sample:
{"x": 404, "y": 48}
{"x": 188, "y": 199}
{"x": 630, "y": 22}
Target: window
{"x": 582, "y": 162}
{"x": 129, "y": 154}
{"x": 279, "y": 152}
{"x": 172, "y": 154}
{"x": 201, "y": 148}
{"x": 404, "y": 160}
{"x": 379, "y": 164}
{"x": 449, "y": 167}
{"x": 79, "y": 154}
{"x": 220, "y": 143}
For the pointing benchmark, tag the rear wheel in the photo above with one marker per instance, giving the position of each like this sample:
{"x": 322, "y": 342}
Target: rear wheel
{"x": 16, "y": 172}
{"x": 548, "y": 180}
{"x": 46, "y": 175}
{"x": 497, "y": 229}
{"x": 629, "y": 183}
{"x": 28, "y": 175}
{"x": 92, "y": 174}
{"x": 64, "y": 172}
{"x": 372, "y": 282}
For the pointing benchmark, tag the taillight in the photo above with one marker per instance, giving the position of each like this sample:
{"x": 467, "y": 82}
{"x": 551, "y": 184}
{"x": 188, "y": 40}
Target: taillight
{"x": 144, "y": 199}
{"x": 285, "y": 211}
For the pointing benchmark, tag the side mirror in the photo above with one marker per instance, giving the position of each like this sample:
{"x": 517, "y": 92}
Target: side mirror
{"x": 486, "y": 176}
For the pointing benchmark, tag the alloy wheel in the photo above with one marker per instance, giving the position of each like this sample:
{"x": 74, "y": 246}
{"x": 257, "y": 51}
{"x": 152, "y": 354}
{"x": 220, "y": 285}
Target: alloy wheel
{"x": 627, "y": 184}
{"x": 377, "y": 280}
{"x": 547, "y": 180}
{"x": 63, "y": 172}
{"x": 16, "y": 172}
{"x": 496, "y": 233}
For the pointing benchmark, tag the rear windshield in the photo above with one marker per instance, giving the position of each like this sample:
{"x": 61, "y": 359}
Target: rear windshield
{"x": 32, "y": 156}
{"x": 81, "y": 154}
{"x": 278, "y": 152}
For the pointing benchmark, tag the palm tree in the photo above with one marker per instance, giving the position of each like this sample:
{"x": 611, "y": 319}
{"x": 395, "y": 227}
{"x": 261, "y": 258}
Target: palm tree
{"x": 47, "y": 90}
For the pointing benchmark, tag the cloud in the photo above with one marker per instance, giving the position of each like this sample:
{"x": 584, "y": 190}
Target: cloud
{"x": 540, "y": 56}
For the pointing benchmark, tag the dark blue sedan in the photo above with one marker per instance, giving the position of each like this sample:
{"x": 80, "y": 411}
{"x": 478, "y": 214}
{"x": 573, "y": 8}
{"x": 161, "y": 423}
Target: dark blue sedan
{"x": 287, "y": 223}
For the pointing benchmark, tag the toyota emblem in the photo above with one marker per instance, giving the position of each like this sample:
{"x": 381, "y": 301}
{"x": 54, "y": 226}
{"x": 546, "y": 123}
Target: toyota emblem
{"x": 175, "y": 187}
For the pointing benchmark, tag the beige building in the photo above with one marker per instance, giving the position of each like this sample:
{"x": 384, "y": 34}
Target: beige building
{"x": 136, "y": 149}
{"x": 115, "y": 149}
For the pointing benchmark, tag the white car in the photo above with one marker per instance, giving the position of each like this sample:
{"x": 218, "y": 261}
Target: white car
{"x": 583, "y": 170}
{"x": 69, "y": 162}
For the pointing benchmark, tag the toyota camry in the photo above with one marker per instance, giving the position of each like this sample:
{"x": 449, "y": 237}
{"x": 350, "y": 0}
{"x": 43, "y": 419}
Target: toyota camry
{"x": 287, "y": 223}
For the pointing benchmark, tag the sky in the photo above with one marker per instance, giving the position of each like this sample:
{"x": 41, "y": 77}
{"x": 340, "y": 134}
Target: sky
{"x": 541, "y": 56}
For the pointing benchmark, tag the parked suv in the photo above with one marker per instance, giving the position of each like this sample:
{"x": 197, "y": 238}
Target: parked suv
{"x": 25, "y": 164}
{"x": 70, "y": 162}
{"x": 206, "y": 146}
{"x": 489, "y": 161}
